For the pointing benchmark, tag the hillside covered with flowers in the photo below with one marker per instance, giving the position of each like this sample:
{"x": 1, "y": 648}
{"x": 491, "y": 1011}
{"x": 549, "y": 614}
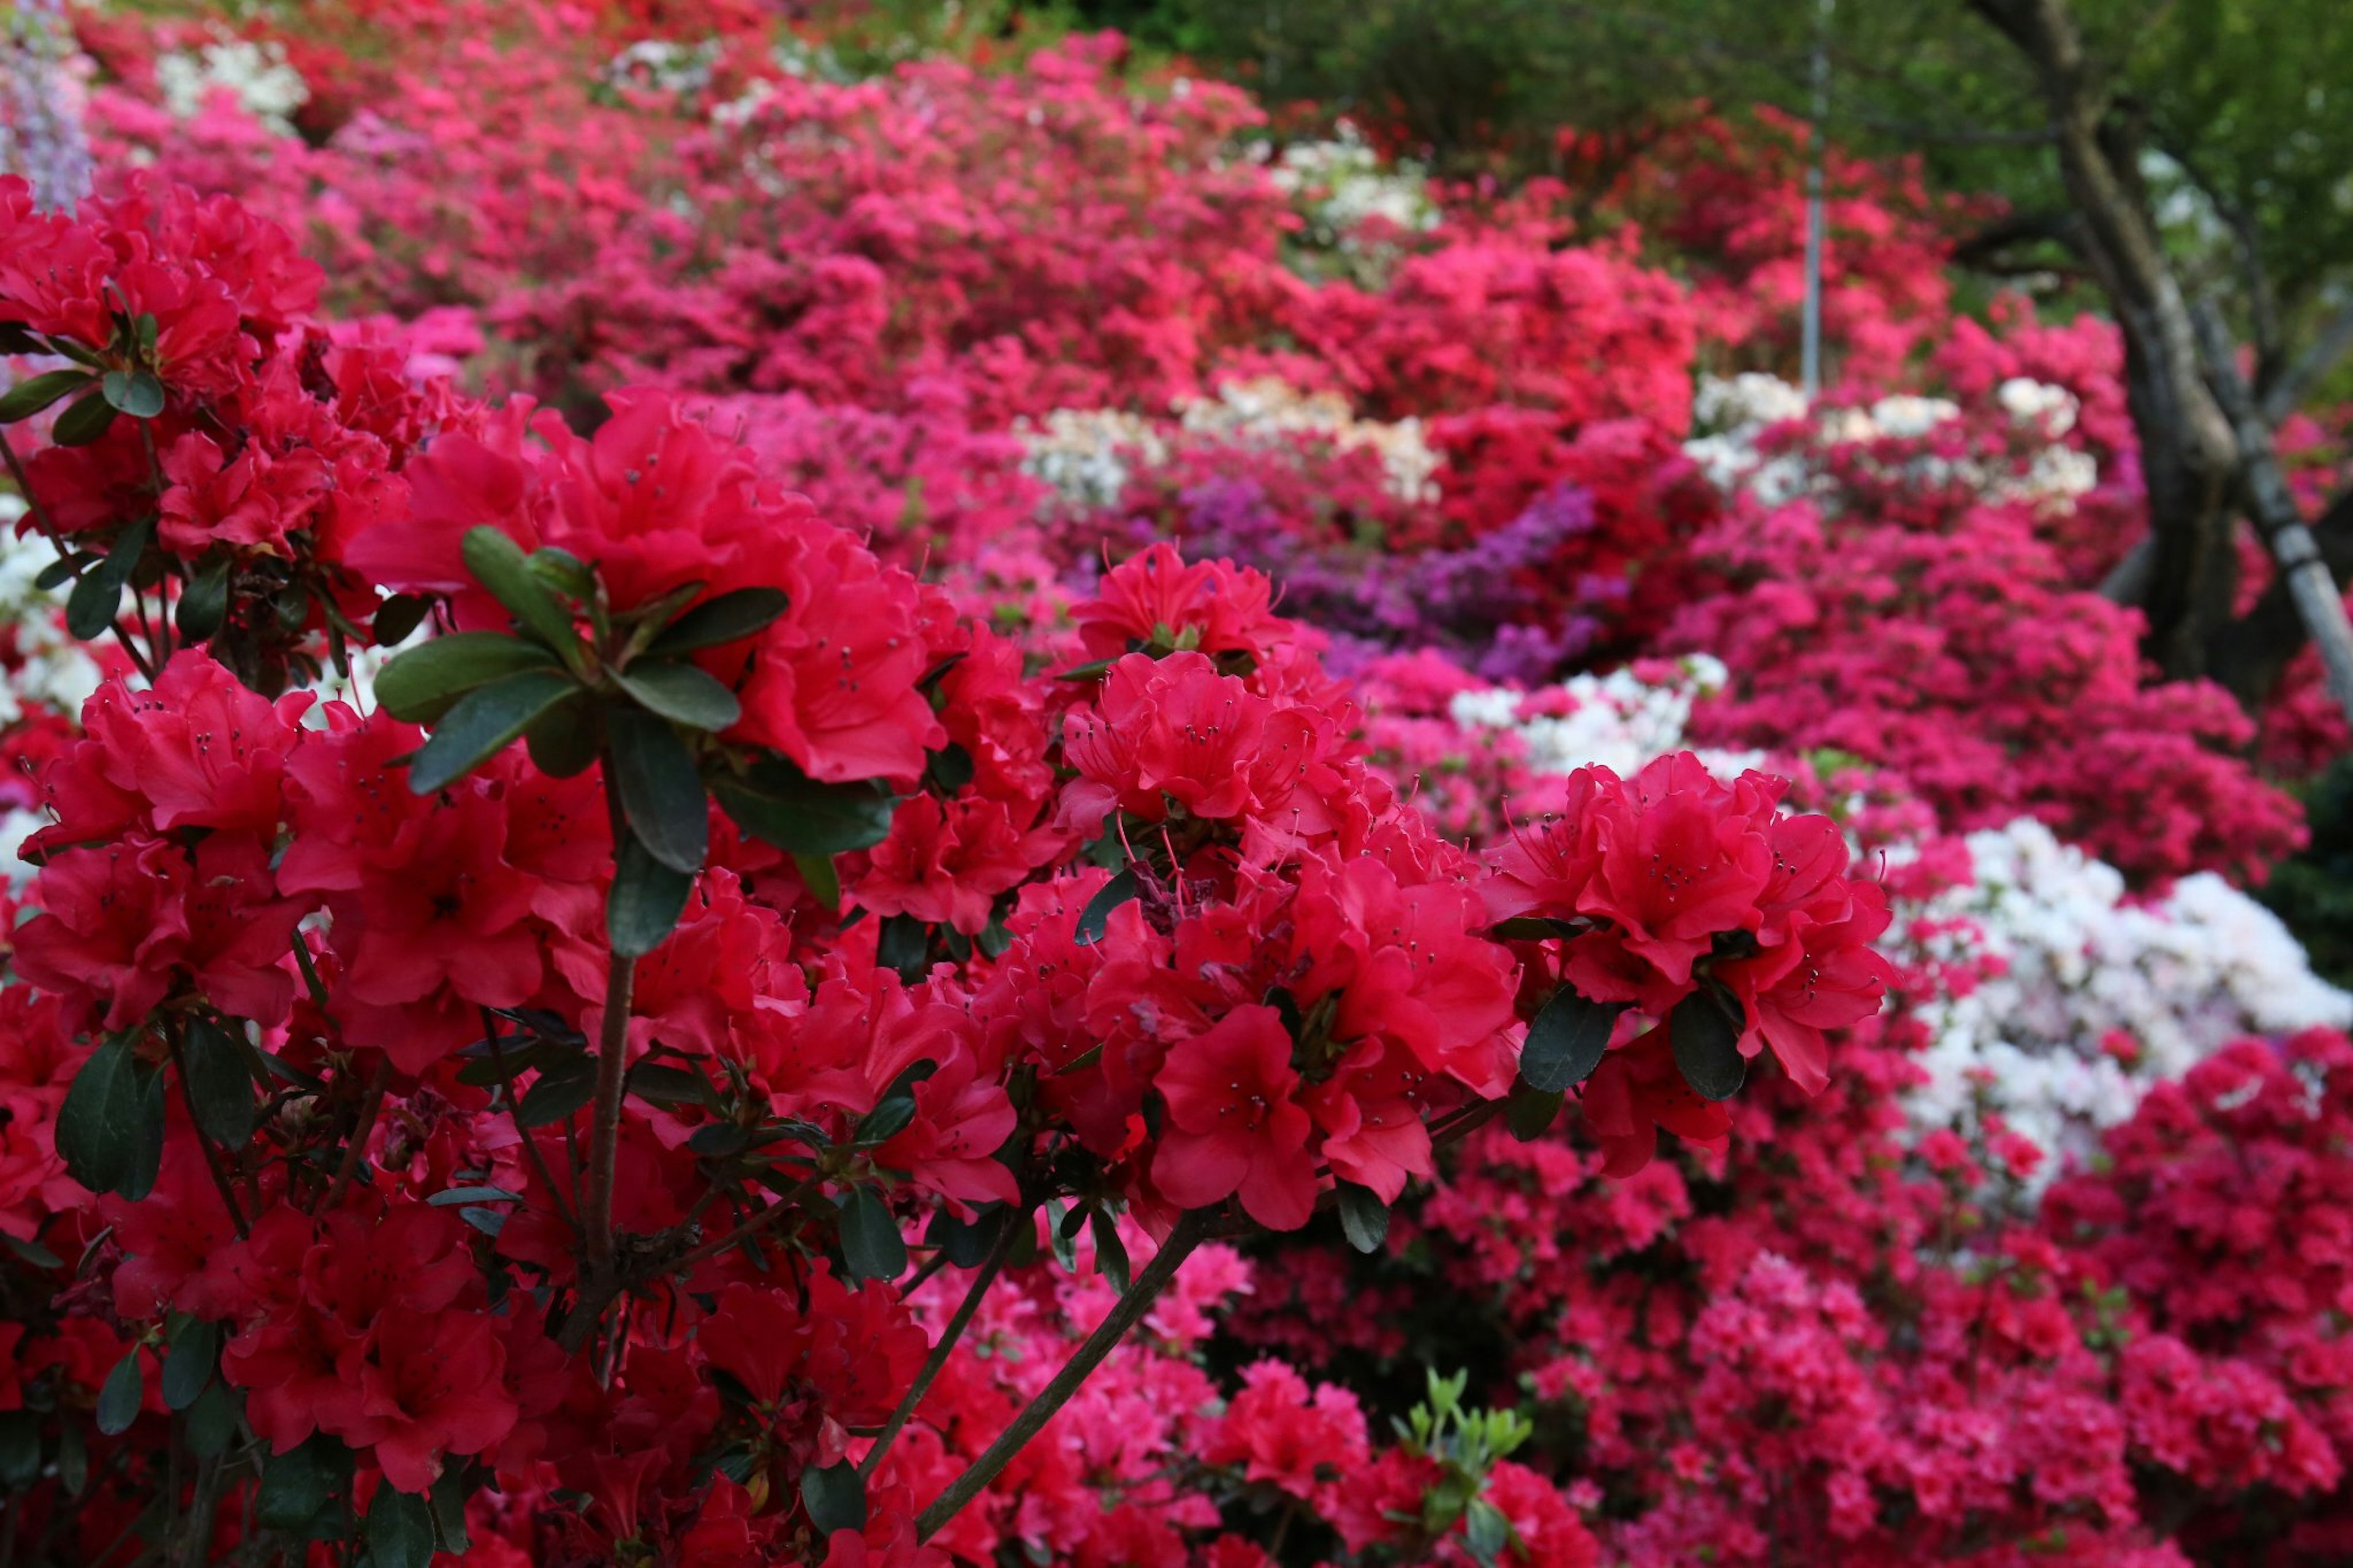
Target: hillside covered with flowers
{"x": 775, "y": 802}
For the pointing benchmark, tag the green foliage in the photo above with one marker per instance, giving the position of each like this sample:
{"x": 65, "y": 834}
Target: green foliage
{"x": 2314, "y": 892}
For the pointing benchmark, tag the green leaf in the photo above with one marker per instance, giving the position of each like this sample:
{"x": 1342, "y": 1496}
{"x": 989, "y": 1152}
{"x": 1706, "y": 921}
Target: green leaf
{"x": 485, "y": 723}
{"x": 58, "y": 572}
{"x": 1706, "y": 1040}
{"x": 1532, "y": 928}
{"x": 559, "y": 1093}
{"x": 966, "y": 1243}
{"x": 423, "y": 683}
{"x": 1110, "y": 1253}
{"x": 1566, "y": 1040}
{"x": 189, "y": 1366}
{"x": 563, "y": 572}
{"x": 297, "y": 1486}
{"x": 645, "y": 901}
{"x": 1486, "y": 1532}
{"x": 1093, "y": 670}
{"x": 499, "y": 564}
{"x": 778, "y": 804}
{"x": 659, "y": 1085}
{"x": 29, "y": 397}
{"x": 681, "y": 692}
{"x": 661, "y": 793}
{"x": 563, "y": 741}
{"x": 203, "y": 603}
{"x": 20, "y": 1448}
{"x": 133, "y": 392}
{"x": 219, "y": 1087}
{"x": 31, "y": 1252}
{"x": 951, "y": 767}
{"x": 212, "y": 1419}
{"x": 904, "y": 945}
{"x": 397, "y": 618}
{"x": 870, "y": 1242}
{"x": 451, "y": 1488}
{"x": 449, "y": 1195}
{"x": 84, "y": 422}
{"x": 121, "y": 1395}
{"x": 1096, "y": 917}
{"x": 98, "y": 1127}
{"x": 721, "y": 619}
{"x": 720, "y": 1141}
{"x": 835, "y": 1497}
{"x": 818, "y": 875}
{"x": 399, "y": 1530}
{"x": 90, "y": 608}
{"x": 1363, "y": 1217}
{"x": 1531, "y": 1112}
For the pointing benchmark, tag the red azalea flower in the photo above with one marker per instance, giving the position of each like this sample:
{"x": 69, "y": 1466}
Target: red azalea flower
{"x": 1232, "y": 1125}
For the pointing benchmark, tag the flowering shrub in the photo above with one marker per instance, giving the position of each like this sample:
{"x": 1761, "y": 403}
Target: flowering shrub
{"x": 462, "y": 1117}
{"x": 1235, "y": 684}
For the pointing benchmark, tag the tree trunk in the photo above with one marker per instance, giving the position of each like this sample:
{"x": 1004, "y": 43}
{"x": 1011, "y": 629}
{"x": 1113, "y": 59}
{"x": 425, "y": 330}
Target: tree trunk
{"x": 2189, "y": 455}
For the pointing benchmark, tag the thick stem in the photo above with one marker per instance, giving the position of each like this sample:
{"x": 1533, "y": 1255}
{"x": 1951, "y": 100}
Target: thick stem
{"x": 990, "y": 1268}
{"x": 1133, "y": 1304}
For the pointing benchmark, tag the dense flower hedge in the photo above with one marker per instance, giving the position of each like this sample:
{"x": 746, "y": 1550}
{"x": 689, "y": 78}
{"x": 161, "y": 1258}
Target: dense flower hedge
{"x": 889, "y": 827}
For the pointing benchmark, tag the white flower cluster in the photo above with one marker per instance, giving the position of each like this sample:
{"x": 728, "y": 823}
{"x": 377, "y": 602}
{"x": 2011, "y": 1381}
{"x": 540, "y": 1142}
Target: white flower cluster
{"x": 1089, "y": 455}
{"x": 1615, "y": 720}
{"x": 661, "y": 66}
{"x": 1341, "y": 185}
{"x": 2165, "y": 982}
{"x": 270, "y": 89}
{"x": 1738, "y": 410}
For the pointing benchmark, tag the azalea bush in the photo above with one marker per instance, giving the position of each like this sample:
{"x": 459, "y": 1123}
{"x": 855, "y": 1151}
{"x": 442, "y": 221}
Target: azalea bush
{"x": 968, "y": 809}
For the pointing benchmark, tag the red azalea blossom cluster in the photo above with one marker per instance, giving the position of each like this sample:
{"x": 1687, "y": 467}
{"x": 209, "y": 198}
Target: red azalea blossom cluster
{"x": 821, "y": 993}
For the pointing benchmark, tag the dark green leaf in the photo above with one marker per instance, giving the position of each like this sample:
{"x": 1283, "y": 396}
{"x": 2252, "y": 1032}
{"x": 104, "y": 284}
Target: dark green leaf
{"x": 563, "y": 572}
{"x": 20, "y": 1448}
{"x": 489, "y": 1222}
{"x": 886, "y": 1121}
{"x": 1363, "y": 1217}
{"x": 58, "y": 572}
{"x": 1485, "y": 1532}
{"x": 720, "y": 1139}
{"x": 835, "y": 1497}
{"x": 29, "y": 397}
{"x": 778, "y": 804}
{"x": 399, "y": 1530}
{"x": 1706, "y": 1040}
{"x": 1531, "y": 1112}
{"x": 297, "y": 1485}
{"x": 203, "y": 603}
{"x": 120, "y": 1396}
{"x": 819, "y": 876}
{"x": 451, "y": 1488}
{"x": 661, "y": 793}
{"x": 425, "y": 682}
{"x": 968, "y": 1244}
{"x": 219, "y": 1086}
{"x": 904, "y": 944}
{"x": 645, "y": 901}
{"x": 870, "y": 1242}
{"x": 563, "y": 741}
{"x": 147, "y": 1147}
{"x": 189, "y": 1366}
{"x": 681, "y": 692}
{"x": 133, "y": 392}
{"x": 84, "y": 422}
{"x": 499, "y": 564}
{"x": 1062, "y": 1228}
{"x": 97, "y": 1126}
{"x": 212, "y": 1419}
{"x": 1566, "y": 1040}
{"x": 485, "y": 723}
{"x": 1532, "y": 928}
{"x": 1096, "y": 917}
{"x": 951, "y": 767}
{"x": 31, "y": 1252}
{"x": 719, "y": 620}
{"x": 659, "y": 1085}
{"x": 73, "y": 1460}
{"x": 557, "y": 1095}
{"x": 449, "y": 1195}
{"x": 1093, "y": 670}
{"x": 90, "y": 608}
{"x": 397, "y": 618}
{"x": 1110, "y": 1253}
